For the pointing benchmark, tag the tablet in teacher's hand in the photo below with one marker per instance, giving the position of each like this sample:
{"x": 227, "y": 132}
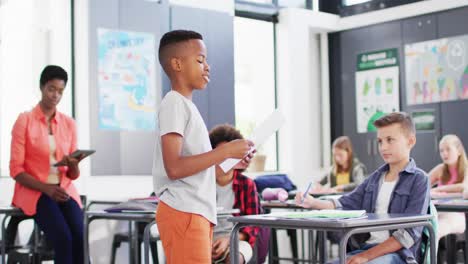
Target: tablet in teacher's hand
{"x": 83, "y": 153}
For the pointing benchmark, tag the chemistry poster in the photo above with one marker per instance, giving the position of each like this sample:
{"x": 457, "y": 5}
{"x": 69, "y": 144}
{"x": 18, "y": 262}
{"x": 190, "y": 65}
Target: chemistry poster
{"x": 126, "y": 80}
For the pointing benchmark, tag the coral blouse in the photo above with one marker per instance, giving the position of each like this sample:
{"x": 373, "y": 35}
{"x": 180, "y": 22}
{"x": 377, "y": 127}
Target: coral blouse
{"x": 30, "y": 154}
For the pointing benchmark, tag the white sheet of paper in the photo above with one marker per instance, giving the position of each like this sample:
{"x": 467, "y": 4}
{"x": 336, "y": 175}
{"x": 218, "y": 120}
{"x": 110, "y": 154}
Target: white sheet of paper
{"x": 260, "y": 135}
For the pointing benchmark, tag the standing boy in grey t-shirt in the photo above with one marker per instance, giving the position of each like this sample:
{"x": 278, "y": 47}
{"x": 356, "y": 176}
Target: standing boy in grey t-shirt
{"x": 183, "y": 171}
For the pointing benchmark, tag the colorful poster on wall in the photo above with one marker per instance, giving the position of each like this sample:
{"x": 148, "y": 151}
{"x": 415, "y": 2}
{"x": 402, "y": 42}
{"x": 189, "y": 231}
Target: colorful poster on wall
{"x": 377, "y": 87}
{"x": 437, "y": 70}
{"x": 126, "y": 80}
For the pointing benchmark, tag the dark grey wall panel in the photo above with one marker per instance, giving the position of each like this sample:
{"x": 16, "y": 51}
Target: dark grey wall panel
{"x": 426, "y": 151}
{"x": 416, "y": 29}
{"x": 336, "y": 107}
{"x": 419, "y": 28}
{"x": 122, "y": 152}
{"x": 453, "y": 23}
{"x": 216, "y": 102}
{"x": 104, "y": 13}
{"x": 354, "y": 42}
{"x": 385, "y": 36}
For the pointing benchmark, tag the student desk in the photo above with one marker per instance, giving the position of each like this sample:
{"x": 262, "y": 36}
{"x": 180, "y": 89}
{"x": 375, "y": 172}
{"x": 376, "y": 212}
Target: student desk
{"x": 132, "y": 232}
{"x": 7, "y": 211}
{"x": 220, "y": 214}
{"x": 273, "y": 252}
{"x": 455, "y": 206}
{"x": 321, "y": 236}
{"x": 374, "y": 222}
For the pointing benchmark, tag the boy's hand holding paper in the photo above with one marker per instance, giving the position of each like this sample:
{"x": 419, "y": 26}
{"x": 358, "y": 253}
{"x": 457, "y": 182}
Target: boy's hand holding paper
{"x": 258, "y": 137}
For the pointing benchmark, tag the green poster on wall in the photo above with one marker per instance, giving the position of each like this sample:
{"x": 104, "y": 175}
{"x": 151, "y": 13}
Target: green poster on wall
{"x": 377, "y": 87}
{"x": 424, "y": 119}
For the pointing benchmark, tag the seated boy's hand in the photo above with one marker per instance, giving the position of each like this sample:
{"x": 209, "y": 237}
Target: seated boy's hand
{"x": 357, "y": 259}
{"x": 220, "y": 246}
{"x": 308, "y": 201}
{"x": 319, "y": 189}
{"x": 435, "y": 192}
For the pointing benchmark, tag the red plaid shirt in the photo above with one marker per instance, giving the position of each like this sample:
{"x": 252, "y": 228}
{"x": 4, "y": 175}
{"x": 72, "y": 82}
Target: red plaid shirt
{"x": 247, "y": 201}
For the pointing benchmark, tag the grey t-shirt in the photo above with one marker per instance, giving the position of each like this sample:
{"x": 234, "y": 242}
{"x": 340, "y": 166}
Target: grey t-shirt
{"x": 224, "y": 200}
{"x": 196, "y": 193}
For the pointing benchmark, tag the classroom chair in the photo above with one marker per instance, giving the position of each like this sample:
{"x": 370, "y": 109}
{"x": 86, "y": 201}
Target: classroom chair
{"x": 449, "y": 248}
{"x": 37, "y": 249}
{"x": 120, "y": 238}
{"x": 425, "y": 244}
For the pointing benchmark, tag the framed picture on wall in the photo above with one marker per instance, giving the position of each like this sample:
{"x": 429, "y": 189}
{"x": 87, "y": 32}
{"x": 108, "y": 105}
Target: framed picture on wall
{"x": 437, "y": 70}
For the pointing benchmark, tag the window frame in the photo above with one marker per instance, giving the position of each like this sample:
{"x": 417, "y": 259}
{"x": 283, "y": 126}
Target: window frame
{"x": 267, "y": 13}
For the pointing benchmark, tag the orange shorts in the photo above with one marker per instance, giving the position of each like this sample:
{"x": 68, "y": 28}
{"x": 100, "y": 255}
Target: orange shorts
{"x": 186, "y": 237}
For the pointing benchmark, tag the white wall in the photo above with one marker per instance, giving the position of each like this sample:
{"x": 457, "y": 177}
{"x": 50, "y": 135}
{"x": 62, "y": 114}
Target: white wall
{"x": 29, "y": 32}
{"x": 299, "y": 97}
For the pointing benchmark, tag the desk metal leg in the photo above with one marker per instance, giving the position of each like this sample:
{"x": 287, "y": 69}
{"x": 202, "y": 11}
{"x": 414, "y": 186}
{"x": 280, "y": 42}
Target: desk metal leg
{"x": 146, "y": 240}
{"x": 234, "y": 243}
{"x": 273, "y": 252}
{"x": 466, "y": 238}
{"x": 311, "y": 245}
{"x": 133, "y": 245}
{"x": 351, "y": 231}
{"x": 86, "y": 240}
{"x": 4, "y": 239}
{"x": 322, "y": 240}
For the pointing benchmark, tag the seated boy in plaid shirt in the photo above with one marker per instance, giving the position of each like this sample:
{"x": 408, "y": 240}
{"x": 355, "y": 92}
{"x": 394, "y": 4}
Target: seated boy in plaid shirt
{"x": 233, "y": 190}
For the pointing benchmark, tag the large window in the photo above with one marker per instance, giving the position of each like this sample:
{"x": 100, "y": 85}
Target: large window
{"x": 255, "y": 94}
{"x": 32, "y": 34}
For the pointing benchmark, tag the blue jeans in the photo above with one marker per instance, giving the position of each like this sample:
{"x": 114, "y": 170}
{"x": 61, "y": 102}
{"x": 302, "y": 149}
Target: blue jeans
{"x": 62, "y": 224}
{"x": 391, "y": 258}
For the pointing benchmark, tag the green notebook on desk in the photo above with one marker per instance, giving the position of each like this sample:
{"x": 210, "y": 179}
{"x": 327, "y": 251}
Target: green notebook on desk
{"x": 324, "y": 214}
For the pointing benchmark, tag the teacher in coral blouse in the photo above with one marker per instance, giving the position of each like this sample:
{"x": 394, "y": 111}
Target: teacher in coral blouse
{"x": 41, "y": 138}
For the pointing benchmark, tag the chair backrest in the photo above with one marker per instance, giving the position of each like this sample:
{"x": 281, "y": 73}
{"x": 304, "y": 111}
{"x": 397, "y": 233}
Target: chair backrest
{"x": 425, "y": 244}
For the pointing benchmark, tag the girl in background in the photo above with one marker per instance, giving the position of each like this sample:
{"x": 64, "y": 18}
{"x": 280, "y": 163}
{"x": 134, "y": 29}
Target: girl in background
{"x": 347, "y": 171}
{"x": 449, "y": 177}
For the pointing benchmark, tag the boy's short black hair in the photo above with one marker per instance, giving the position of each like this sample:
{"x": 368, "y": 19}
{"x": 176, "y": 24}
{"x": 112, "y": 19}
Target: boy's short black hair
{"x": 51, "y": 72}
{"x": 402, "y": 118}
{"x": 174, "y": 37}
{"x": 224, "y": 133}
